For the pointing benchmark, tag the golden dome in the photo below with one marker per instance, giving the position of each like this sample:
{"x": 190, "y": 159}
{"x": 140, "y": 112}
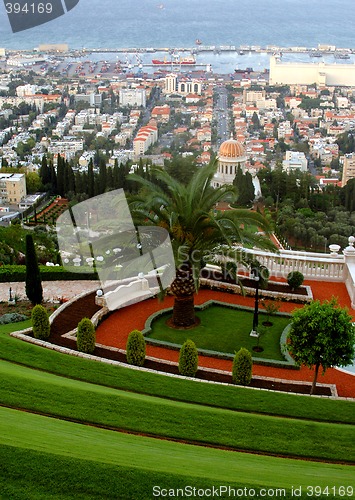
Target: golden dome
{"x": 231, "y": 149}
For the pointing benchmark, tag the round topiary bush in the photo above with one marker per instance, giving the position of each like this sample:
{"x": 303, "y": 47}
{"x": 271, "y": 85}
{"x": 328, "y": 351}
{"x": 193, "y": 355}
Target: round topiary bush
{"x": 188, "y": 359}
{"x": 295, "y": 279}
{"x": 40, "y": 323}
{"x": 135, "y": 348}
{"x": 242, "y": 367}
{"x": 85, "y": 338}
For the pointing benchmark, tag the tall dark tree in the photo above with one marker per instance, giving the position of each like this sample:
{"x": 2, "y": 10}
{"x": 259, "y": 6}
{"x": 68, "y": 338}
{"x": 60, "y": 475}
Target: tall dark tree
{"x": 91, "y": 179}
{"x": 34, "y": 290}
{"x": 245, "y": 187}
{"x": 60, "y": 176}
{"x": 102, "y": 176}
{"x": 53, "y": 177}
{"x": 45, "y": 172}
{"x": 109, "y": 183}
{"x": 70, "y": 179}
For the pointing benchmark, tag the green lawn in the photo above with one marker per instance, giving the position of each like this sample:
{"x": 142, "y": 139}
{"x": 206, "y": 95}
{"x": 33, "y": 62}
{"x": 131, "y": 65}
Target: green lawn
{"x": 14, "y": 327}
{"x": 42, "y": 456}
{"x": 234, "y": 398}
{"x": 226, "y": 330}
{"x": 23, "y": 387}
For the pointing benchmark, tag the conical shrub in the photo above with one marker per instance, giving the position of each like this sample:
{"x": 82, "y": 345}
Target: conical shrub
{"x": 135, "y": 348}
{"x": 188, "y": 359}
{"x": 86, "y": 337}
{"x": 242, "y": 367}
{"x": 40, "y": 323}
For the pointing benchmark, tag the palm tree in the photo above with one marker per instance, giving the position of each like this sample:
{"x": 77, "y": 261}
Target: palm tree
{"x": 188, "y": 213}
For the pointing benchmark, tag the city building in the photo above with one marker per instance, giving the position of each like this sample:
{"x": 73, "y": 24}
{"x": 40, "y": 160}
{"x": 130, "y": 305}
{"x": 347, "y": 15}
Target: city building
{"x": 67, "y": 148}
{"x": 132, "y": 97}
{"x": 348, "y": 168}
{"x": 294, "y": 161}
{"x": 146, "y": 136}
{"x": 252, "y": 96}
{"x": 92, "y": 98}
{"x": 12, "y": 188}
{"x": 175, "y": 84}
{"x": 161, "y": 113}
{"x": 309, "y": 73}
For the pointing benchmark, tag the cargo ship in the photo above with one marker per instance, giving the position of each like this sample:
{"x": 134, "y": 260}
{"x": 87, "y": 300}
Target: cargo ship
{"x": 189, "y": 60}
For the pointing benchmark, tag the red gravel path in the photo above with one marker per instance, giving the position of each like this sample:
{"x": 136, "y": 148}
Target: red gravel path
{"x": 115, "y": 329}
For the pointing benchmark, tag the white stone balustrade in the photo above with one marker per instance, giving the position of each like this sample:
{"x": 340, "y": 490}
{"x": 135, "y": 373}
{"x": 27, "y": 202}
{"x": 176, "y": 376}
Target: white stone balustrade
{"x": 317, "y": 266}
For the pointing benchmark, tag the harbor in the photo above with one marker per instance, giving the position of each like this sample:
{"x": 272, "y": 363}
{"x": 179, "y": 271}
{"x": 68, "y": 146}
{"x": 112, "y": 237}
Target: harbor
{"x": 224, "y": 60}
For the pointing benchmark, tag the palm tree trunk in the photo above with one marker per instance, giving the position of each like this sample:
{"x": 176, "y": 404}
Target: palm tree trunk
{"x": 183, "y": 312}
{"x": 315, "y": 379}
{"x": 183, "y": 288}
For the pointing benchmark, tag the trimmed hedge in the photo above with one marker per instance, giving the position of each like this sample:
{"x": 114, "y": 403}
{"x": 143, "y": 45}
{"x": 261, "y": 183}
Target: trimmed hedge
{"x": 242, "y": 367}
{"x": 86, "y": 337}
{"x": 10, "y": 273}
{"x": 135, "y": 348}
{"x": 188, "y": 359}
{"x": 40, "y": 323}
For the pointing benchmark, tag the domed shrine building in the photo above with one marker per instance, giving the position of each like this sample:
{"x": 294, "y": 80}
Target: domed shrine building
{"x": 231, "y": 155}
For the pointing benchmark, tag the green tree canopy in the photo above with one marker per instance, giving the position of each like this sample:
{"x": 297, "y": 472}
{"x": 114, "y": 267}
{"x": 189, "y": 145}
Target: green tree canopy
{"x": 34, "y": 290}
{"x": 196, "y": 228}
{"x": 322, "y": 335}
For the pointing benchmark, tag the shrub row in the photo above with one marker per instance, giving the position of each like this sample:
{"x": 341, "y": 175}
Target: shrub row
{"x": 136, "y": 348}
{"x": 54, "y": 273}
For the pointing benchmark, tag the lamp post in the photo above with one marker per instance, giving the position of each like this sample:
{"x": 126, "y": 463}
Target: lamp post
{"x": 254, "y": 274}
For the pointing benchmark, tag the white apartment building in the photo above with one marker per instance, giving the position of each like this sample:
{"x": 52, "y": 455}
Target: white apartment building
{"x": 133, "y": 97}
{"x": 284, "y": 130}
{"x": 68, "y": 148}
{"x": 294, "y": 161}
{"x": 146, "y": 137}
{"x": 183, "y": 86}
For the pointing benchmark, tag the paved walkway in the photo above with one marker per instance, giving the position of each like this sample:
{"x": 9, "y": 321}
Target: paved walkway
{"x": 52, "y": 290}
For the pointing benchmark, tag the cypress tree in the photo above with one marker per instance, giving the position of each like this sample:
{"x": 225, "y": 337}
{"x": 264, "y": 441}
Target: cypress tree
{"x": 109, "y": 183}
{"x": 102, "y": 176}
{"x": 70, "y": 180}
{"x": 60, "y": 176}
{"x": 53, "y": 178}
{"x": 91, "y": 180}
{"x": 44, "y": 171}
{"x": 34, "y": 290}
{"x": 116, "y": 175}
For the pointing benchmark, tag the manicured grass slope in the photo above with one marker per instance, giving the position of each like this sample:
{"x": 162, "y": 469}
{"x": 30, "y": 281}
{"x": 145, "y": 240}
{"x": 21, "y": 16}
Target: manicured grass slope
{"x": 68, "y": 398}
{"x": 12, "y": 327}
{"x": 226, "y": 330}
{"x": 52, "y": 446}
{"x": 236, "y": 398}
{"x": 45, "y": 458}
